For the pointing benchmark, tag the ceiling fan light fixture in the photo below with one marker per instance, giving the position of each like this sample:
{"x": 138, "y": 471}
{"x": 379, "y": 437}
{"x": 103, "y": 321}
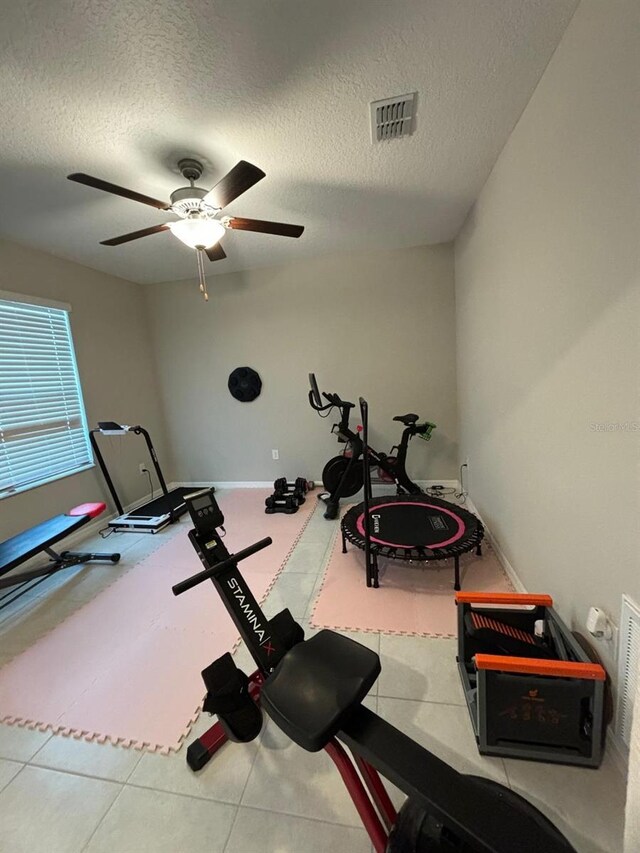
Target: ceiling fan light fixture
{"x": 198, "y": 233}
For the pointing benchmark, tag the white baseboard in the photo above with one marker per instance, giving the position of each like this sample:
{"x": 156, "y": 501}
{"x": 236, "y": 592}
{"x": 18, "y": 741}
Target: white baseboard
{"x": 448, "y": 484}
{"x": 267, "y": 484}
{"x": 86, "y": 532}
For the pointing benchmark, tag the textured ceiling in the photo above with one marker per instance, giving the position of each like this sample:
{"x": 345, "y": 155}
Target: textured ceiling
{"x": 122, "y": 90}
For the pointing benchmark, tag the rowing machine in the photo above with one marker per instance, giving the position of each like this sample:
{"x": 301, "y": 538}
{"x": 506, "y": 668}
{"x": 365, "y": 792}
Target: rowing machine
{"x": 313, "y": 690}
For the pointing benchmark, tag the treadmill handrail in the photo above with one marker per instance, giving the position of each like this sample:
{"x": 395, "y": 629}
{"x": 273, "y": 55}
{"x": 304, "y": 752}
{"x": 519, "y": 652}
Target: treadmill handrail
{"x": 136, "y": 430}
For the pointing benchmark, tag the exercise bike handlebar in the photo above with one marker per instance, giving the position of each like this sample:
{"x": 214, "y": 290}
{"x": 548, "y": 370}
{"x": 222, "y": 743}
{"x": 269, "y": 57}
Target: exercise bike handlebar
{"x": 199, "y": 578}
{"x": 337, "y": 401}
{"x": 333, "y": 400}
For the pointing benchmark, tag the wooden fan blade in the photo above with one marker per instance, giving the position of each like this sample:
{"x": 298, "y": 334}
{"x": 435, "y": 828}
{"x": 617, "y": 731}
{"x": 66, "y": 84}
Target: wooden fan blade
{"x": 216, "y": 253}
{"x": 241, "y": 178}
{"x": 98, "y": 184}
{"x": 134, "y": 235}
{"x": 281, "y": 228}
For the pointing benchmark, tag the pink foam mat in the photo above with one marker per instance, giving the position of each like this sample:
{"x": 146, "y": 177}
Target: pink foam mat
{"x": 415, "y": 599}
{"x": 126, "y": 666}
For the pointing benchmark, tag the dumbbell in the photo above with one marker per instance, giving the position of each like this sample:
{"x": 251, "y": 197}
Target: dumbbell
{"x": 282, "y": 487}
{"x": 281, "y": 503}
{"x": 301, "y": 485}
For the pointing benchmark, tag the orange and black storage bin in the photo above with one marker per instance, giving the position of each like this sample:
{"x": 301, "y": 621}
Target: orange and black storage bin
{"x": 531, "y": 689}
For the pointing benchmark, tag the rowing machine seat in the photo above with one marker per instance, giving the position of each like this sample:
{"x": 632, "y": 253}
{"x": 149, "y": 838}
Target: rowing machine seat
{"x": 407, "y": 420}
{"x": 315, "y": 686}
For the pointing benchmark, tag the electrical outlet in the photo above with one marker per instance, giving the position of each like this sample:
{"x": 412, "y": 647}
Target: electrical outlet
{"x": 142, "y": 468}
{"x": 275, "y": 454}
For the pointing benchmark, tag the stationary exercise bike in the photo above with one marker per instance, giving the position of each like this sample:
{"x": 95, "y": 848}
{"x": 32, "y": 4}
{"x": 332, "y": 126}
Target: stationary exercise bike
{"x": 313, "y": 690}
{"x": 342, "y": 476}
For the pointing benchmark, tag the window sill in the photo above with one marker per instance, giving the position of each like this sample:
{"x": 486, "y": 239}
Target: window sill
{"x": 21, "y": 489}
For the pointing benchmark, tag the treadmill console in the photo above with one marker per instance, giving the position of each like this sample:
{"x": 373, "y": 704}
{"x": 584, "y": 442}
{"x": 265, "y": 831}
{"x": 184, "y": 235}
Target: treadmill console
{"x": 205, "y": 513}
{"x": 112, "y": 428}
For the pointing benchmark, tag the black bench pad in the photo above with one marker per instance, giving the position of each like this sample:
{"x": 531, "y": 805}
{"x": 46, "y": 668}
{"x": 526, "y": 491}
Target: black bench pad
{"x": 31, "y": 542}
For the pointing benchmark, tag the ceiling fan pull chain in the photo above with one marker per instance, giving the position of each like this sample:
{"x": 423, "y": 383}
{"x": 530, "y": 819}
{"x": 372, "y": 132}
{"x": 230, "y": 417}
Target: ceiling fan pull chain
{"x": 202, "y": 279}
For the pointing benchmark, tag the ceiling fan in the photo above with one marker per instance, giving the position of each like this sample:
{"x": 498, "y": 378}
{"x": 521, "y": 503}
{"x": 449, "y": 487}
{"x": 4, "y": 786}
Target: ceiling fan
{"x": 201, "y": 225}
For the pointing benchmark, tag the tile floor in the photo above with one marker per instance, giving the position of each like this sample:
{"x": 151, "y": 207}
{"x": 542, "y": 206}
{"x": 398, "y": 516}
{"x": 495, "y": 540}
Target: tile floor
{"x": 59, "y": 795}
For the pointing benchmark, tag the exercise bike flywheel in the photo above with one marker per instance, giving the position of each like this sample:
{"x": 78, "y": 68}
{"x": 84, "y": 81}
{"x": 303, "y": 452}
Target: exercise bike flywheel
{"x": 333, "y": 472}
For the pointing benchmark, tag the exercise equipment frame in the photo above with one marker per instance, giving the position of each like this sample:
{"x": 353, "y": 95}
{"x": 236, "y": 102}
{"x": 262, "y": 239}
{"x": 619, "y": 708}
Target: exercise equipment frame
{"x": 156, "y": 513}
{"x": 477, "y": 814}
{"x": 345, "y": 467}
{"x": 40, "y": 539}
{"x": 356, "y": 525}
{"x": 522, "y": 705}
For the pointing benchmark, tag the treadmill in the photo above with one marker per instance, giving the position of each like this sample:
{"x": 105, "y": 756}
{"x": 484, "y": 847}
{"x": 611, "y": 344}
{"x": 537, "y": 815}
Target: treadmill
{"x": 155, "y": 514}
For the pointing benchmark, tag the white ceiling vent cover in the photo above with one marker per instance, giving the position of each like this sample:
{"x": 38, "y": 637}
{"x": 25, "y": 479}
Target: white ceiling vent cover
{"x": 392, "y": 117}
{"x": 629, "y": 661}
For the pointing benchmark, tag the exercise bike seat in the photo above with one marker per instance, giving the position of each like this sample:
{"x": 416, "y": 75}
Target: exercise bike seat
{"x": 407, "y": 420}
{"x": 315, "y": 686}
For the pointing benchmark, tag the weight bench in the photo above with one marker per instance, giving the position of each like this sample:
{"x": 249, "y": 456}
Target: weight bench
{"x": 30, "y": 543}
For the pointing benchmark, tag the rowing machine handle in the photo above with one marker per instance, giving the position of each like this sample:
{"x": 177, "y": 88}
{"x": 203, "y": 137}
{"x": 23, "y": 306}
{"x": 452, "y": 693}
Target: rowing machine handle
{"x": 194, "y": 580}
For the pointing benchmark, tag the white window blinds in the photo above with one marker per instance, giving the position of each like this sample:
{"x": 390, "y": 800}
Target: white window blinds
{"x": 43, "y": 430}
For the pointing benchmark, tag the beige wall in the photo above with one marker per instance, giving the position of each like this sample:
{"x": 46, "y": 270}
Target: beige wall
{"x": 380, "y": 324}
{"x": 547, "y": 293}
{"x": 117, "y": 373}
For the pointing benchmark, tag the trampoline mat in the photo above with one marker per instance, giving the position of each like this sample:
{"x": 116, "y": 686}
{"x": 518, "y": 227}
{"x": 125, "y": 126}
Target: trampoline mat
{"x": 414, "y": 527}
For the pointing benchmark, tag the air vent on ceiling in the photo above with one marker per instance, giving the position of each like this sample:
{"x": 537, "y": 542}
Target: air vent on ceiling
{"x": 628, "y": 662}
{"x": 392, "y": 117}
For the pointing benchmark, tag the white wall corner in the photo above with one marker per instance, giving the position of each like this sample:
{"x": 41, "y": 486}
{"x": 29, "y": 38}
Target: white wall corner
{"x": 617, "y": 750}
{"x": 502, "y": 557}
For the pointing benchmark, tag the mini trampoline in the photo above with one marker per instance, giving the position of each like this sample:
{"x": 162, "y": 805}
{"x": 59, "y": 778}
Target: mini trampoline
{"x": 416, "y": 528}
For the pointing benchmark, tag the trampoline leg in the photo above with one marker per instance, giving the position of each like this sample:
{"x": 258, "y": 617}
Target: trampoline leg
{"x": 479, "y": 550}
{"x": 344, "y": 543}
{"x": 456, "y": 568}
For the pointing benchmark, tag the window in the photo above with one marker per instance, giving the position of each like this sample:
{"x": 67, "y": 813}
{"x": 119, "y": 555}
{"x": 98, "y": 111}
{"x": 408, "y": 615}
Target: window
{"x": 43, "y": 429}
